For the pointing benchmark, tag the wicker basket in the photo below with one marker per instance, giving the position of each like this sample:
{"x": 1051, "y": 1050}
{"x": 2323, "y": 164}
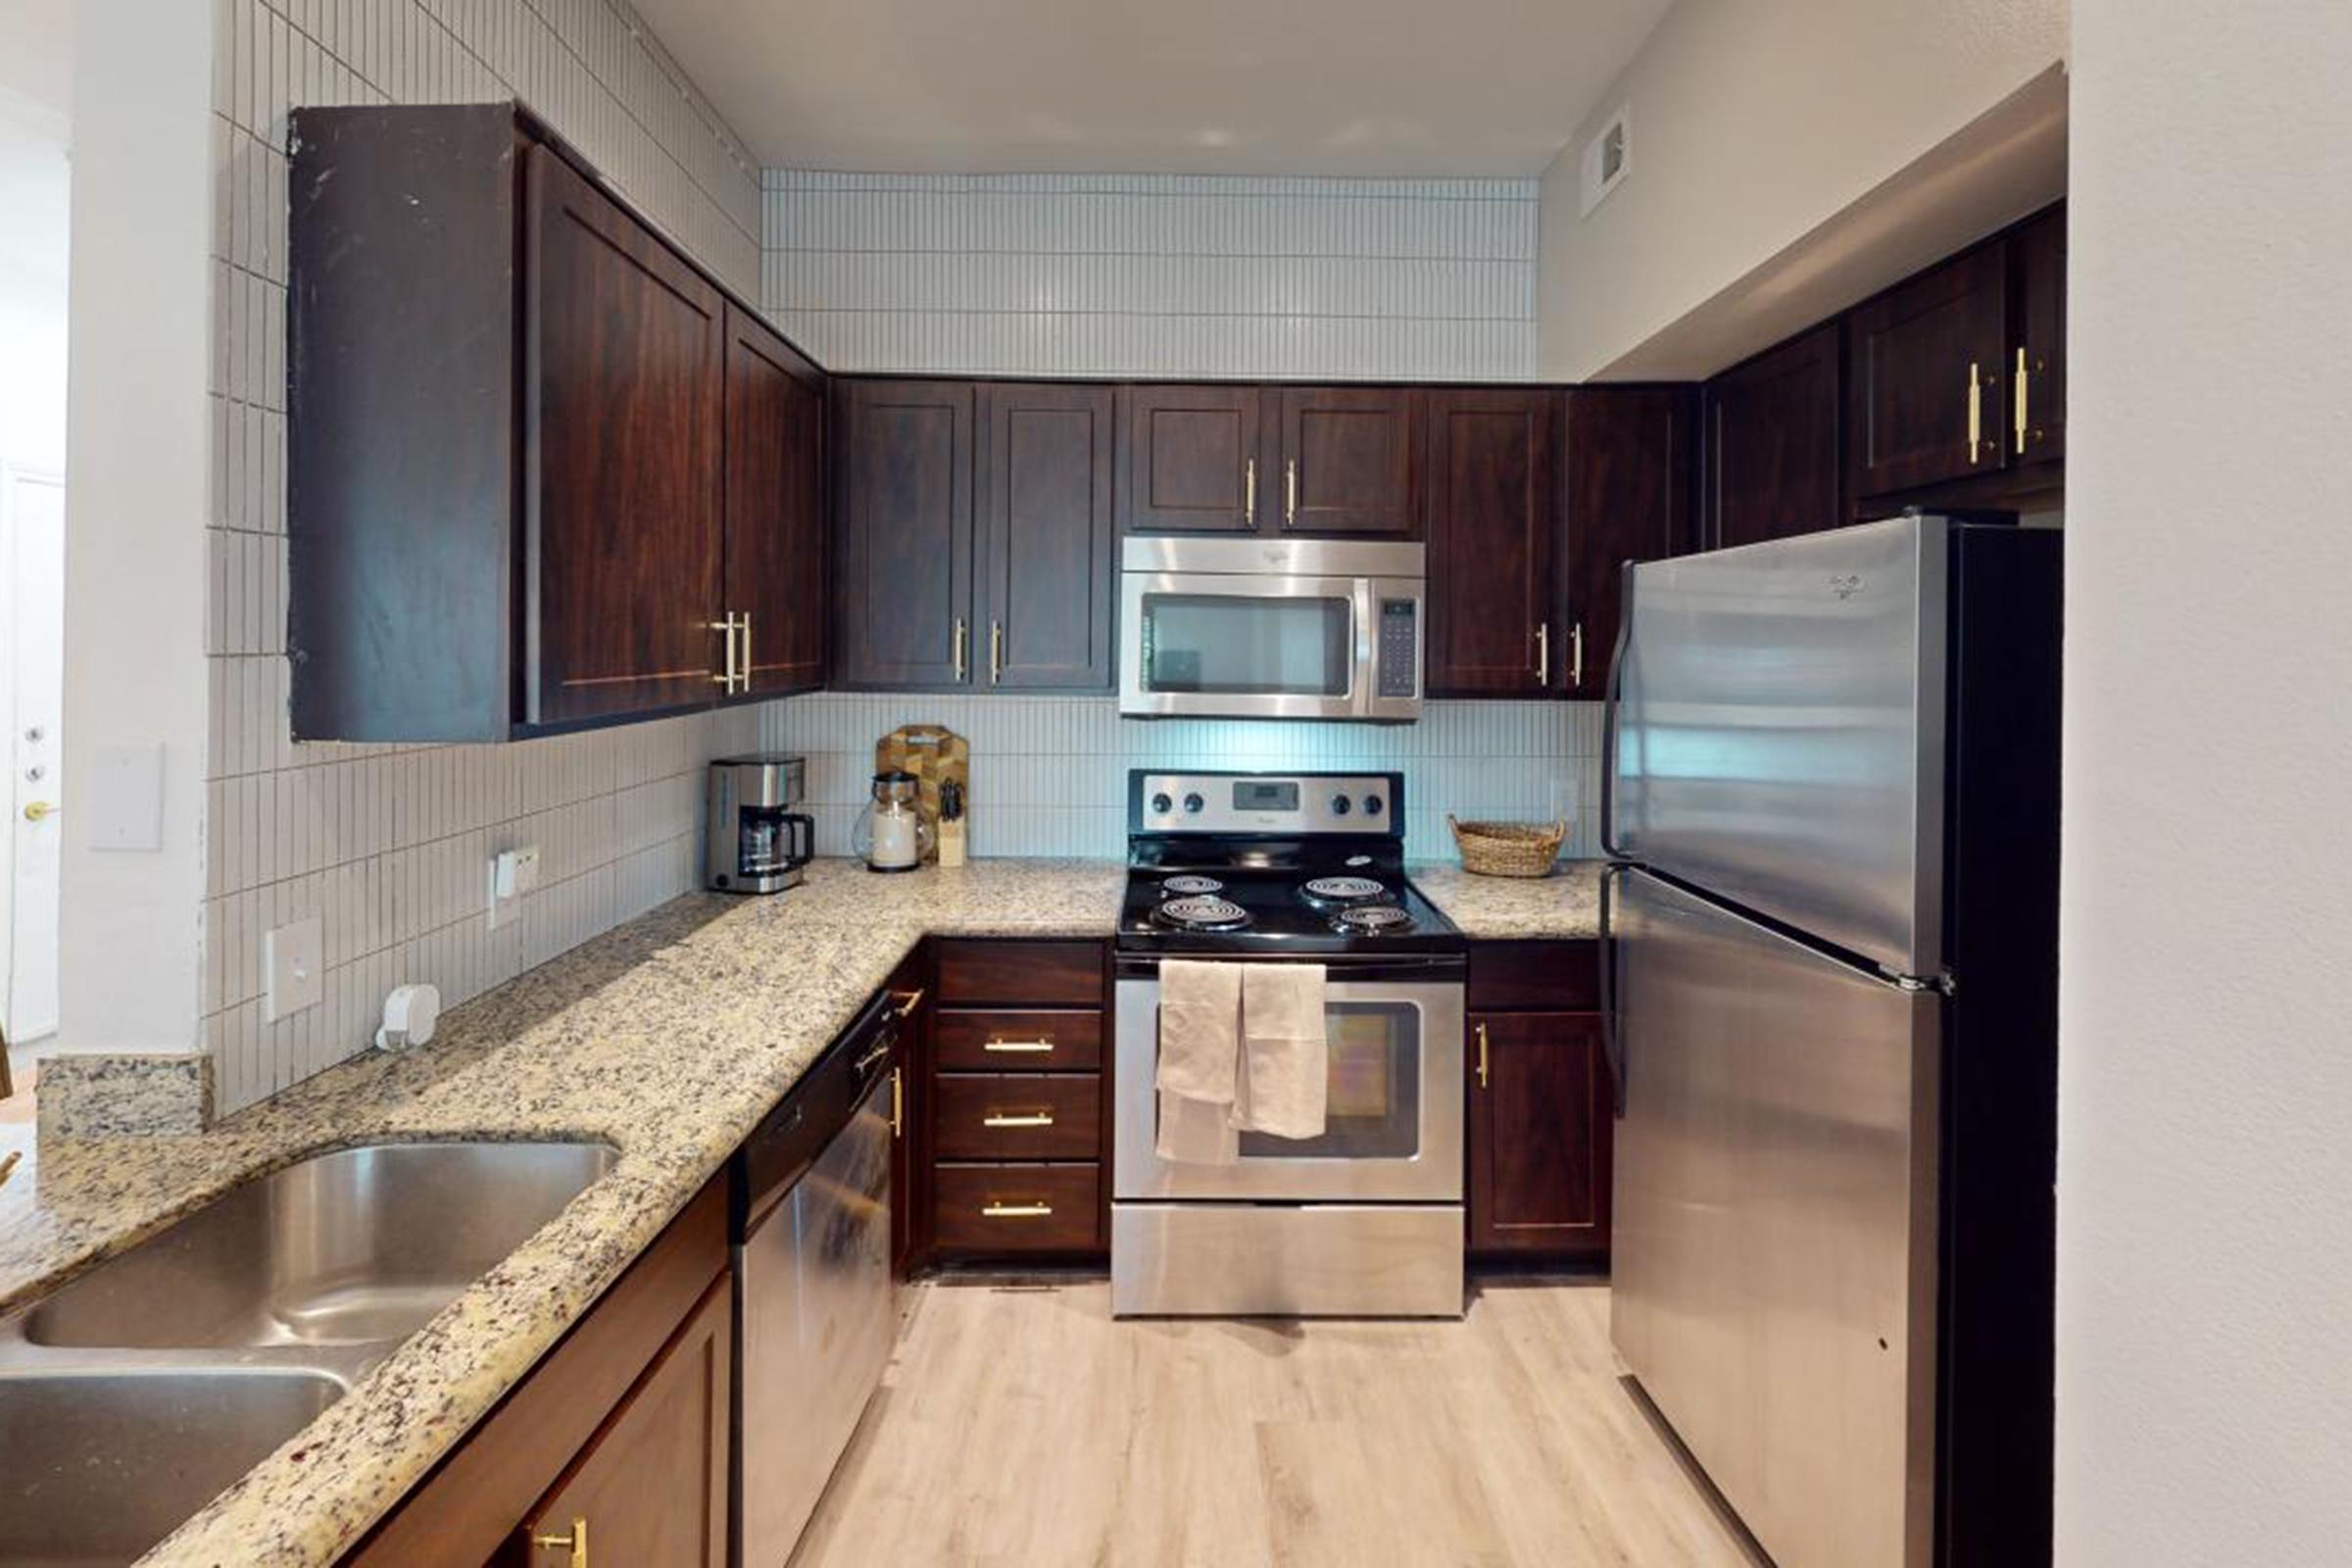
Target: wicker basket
{"x": 1507, "y": 849}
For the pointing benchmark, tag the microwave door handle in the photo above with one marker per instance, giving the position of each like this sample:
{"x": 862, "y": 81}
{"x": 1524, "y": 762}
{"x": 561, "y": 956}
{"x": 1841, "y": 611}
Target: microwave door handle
{"x": 1363, "y": 679}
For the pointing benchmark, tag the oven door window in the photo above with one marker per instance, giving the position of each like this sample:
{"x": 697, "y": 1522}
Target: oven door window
{"x": 1242, "y": 646}
{"x": 1373, "y": 1110}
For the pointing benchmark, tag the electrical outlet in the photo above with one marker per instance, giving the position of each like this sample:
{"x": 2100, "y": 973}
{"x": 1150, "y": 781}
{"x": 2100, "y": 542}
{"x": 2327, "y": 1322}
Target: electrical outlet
{"x": 294, "y": 969}
{"x": 512, "y": 874}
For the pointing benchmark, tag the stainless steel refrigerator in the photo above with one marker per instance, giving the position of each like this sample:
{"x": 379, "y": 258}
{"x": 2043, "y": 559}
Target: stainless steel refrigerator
{"x": 1832, "y": 963}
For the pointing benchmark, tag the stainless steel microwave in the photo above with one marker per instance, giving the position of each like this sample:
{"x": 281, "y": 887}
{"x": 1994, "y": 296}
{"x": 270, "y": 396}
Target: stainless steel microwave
{"x": 1270, "y": 628}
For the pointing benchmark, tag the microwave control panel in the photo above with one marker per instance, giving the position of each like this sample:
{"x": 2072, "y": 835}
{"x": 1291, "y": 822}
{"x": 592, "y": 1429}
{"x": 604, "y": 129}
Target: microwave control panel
{"x": 1399, "y": 646}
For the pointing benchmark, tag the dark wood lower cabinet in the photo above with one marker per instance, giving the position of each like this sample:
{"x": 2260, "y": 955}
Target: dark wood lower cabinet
{"x": 652, "y": 1485}
{"x": 998, "y": 1210}
{"x": 1539, "y": 1135}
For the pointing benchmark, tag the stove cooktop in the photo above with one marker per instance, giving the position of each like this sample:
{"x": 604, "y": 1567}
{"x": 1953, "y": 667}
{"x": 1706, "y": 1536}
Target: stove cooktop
{"x": 1260, "y": 910}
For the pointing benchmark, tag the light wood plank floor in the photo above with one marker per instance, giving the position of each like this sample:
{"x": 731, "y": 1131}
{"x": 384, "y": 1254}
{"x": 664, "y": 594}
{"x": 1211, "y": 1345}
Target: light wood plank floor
{"x": 1019, "y": 1427}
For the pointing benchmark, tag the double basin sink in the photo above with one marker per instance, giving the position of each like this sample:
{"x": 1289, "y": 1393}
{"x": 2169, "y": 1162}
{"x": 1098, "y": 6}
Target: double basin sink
{"x": 137, "y": 1392}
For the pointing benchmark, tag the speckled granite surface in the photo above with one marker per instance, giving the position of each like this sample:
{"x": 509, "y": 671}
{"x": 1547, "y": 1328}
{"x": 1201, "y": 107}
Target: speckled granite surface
{"x": 100, "y": 1096}
{"x": 1563, "y": 905}
{"x": 671, "y": 1037}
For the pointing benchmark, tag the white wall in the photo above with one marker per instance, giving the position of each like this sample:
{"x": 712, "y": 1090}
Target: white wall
{"x": 2205, "y": 1159}
{"x": 1161, "y": 276}
{"x": 1752, "y": 124}
{"x": 34, "y": 181}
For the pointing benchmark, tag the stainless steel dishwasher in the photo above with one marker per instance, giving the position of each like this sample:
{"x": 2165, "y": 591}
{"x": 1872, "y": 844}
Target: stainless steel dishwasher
{"x": 814, "y": 1302}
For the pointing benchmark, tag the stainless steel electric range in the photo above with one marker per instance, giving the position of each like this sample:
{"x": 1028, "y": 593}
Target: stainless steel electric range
{"x": 1365, "y": 1220}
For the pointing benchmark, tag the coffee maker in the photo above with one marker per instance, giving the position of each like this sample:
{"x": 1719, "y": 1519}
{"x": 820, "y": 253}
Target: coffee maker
{"x": 758, "y": 842}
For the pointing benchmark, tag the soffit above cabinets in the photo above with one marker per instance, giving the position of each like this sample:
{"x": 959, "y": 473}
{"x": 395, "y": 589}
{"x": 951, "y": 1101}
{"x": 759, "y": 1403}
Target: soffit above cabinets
{"x": 1399, "y": 88}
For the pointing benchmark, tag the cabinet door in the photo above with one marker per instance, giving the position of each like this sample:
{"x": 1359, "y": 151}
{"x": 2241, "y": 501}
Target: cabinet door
{"x": 775, "y": 534}
{"x": 1191, "y": 461}
{"x": 1539, "y": 1134}
{"x": 1773, "y": 466}
{"x": 1925, "y": 387}
{"x": 1494, "y": 506}
{"x": 1628, "y": 497}
{"x": 623, "y": 375}
{"x": 1047, "y": 574}
{"x": 2036, "y": 427}
{"x": 909, "y": 988}
{"x": 903, "y": 594}
{"x": 1348, "y": 463}
{"x": 652, "y": 1485}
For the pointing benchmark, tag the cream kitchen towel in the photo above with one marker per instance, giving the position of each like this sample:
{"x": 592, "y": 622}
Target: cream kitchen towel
{"x": 1286, "y": 1060}
{"x": 1199, "y": 1060}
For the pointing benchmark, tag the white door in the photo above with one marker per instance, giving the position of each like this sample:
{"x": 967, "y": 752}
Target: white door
{"x": 32, "y": 532}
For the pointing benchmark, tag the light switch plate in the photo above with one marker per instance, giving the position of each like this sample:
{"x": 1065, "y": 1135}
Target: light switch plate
{"x": 294, "y": 969}
{"x": 126, "y": 798}
{"x": 512, "y": 874}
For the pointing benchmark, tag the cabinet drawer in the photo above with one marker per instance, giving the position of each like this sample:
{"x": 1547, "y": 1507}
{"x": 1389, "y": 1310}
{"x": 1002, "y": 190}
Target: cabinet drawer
{"x": 1017, "y": 1208}
{"x": 1559, "y": 976}
{"x": 1040, "y": 974}
{"x": 1019, "y": 1041}
{"x": 1025, "y": 1116}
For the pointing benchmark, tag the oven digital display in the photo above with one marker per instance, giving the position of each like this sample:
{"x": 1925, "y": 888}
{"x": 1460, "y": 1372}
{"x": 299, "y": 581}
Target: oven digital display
{"x": 1265, "y": 795}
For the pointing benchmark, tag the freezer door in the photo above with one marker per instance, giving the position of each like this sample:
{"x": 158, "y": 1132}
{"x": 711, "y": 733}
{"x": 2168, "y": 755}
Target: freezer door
{"x": 1778, "y": 732}
{"x": 1773, "y": 1273}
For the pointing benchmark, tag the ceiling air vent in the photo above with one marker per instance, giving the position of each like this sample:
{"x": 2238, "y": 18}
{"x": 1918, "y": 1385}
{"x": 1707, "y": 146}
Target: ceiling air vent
{"x": 1609, "y": 158}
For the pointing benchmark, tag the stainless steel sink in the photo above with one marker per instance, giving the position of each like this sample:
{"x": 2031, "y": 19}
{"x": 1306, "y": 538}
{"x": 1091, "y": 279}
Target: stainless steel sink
{"x": 133, "y": 1395}
{"x": 353, "y": 1248}
{"x": 96, "y": 1467}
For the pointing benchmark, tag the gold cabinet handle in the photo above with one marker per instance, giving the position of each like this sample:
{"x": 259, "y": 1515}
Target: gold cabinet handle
{"x": 1250, "y": 490}
{"x": 1017, "y": 1210}
{"x": 1019, "y": 1047}
{"x": 1544, "y": 653}
{"x": 1976, "y": 410}
{"x": 575, "y": 1543}
{"x": 908, "y": 1003}
{"x": 746, "y": 677}
{"x": 959, "y": 666}
{"x": 1017, "y": 1118}
{"x": 898, "y": 1103}
{"x": 995, "y": 652}
{"x": 1482, "y": 1056}
{"x": 2023, "y": 384}
{"x": 42, "y": 810}
{"x": 1576, "y": 644}
{"x": 727, "y": 628}
{"x": 1290, "y": 492}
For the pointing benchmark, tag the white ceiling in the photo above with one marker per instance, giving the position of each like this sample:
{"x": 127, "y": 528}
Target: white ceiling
{"x": 1364, "y": 87}
{"x": 36, "y": 54}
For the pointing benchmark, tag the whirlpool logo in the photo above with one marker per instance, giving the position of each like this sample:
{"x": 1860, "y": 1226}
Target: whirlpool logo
{"x": 1846, "y": 585}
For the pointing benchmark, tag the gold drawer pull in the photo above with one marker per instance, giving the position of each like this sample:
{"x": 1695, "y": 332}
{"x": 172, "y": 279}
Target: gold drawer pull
{"x": 1017, "y": 1210}
{"x": 908, "y": 1003}
{"x": 1025, "y": 1118}
{"x": 1019, "y": 1047}
{"x": 576, "y": 1544}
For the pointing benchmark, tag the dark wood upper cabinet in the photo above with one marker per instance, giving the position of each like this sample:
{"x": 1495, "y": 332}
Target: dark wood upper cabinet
{"x": 1631, "y": 462}
{"x": 1493, "y": 480}
{"x": 1771, "y": 434}
{"x": 1349, "y": 463}
{"x": 1539, "y": 1135}
{"x": 536, "y": 458}
{"x": 903, "y": 588}
{"x": 621, "y": 498}
{"x": 1046, "y": 574}
{"x": 2037, "y": 337}
{"x": 1190, "y": 460}
{"x": 1926, "y": 391}
{"x": 776, "y": 534}
{"x": 652, "y": 1483}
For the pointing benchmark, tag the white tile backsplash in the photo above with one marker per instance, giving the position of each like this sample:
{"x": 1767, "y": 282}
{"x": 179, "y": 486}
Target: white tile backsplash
{"x": 1050, "y": 773}
{"x": 389, "y": 846}
{"x": 1167, "y": 275}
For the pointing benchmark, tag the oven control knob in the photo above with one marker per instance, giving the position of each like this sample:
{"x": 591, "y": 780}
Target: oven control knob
{"x": 1340, "y": 805}
{"x": 1193, "y": 803}
{"x": 1161, "y": 805}
{"x": 1372, "y": 805}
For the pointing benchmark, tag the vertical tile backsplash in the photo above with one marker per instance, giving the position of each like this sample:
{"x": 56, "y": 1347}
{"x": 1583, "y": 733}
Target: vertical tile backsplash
{"x": 389, "y": 846}
{"x": 1050, "y": 773}
{"x": 1159, "y": 275}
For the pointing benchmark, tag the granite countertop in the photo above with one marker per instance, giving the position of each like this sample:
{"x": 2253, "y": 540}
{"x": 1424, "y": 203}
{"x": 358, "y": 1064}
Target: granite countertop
{"x": 1490, "y": 909}
{"x": 670, "y": 1037}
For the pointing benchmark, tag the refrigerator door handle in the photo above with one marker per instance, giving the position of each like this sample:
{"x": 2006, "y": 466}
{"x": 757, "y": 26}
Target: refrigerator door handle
{"x": 1612, "y": 1033}
{"x": 1611, "y": 693}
